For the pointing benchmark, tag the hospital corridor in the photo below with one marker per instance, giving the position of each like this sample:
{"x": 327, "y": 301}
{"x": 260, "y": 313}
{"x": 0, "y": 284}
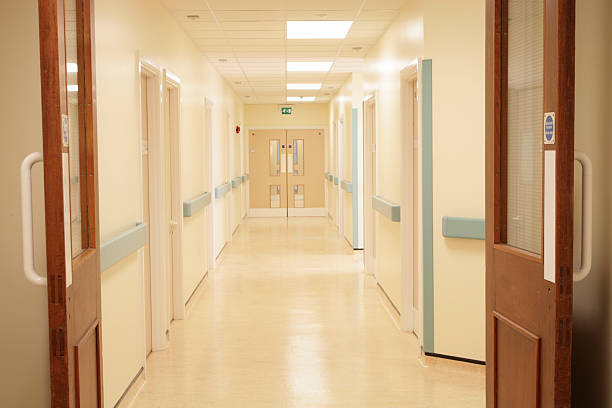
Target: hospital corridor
{"x": 330, "y": 203}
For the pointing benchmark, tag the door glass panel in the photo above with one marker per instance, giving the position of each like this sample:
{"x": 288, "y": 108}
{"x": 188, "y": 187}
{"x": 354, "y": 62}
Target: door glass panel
{"x": 298, "y": 157}
{"x": 275, "y": 161}
{"x": 275, "y": 198}
{"x": 524, "y": 124}
{"x": 298, "y": 195}
{"x": 78, "y": 232}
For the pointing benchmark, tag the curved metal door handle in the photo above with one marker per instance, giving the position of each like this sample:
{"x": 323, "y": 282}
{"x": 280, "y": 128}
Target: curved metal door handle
{"x": 26, "y": 219}
{"x": 587, "y": 216}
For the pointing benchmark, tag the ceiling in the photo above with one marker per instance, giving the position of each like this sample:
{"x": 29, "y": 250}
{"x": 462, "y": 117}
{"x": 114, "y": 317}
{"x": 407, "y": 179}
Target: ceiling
{"x": 245, "y": 40}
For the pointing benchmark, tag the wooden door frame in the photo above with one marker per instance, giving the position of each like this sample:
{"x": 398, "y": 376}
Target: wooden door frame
{"x": 408, "y": 314}
{"x": 370, "y": 101}
{"x": 153, "y": 72}
{"x": 173, "y": 82}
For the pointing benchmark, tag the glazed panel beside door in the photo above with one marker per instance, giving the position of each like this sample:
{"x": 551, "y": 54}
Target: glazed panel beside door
{"x": 71, "y": 209}
{"x": 529, "y": 194}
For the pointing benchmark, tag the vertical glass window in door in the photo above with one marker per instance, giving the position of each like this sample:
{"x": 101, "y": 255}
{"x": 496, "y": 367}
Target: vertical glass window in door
{"x": 523, "y": 130}
{"x": 275, "y": 160}
{"x": 298, "y": 195}
{"x": 275, "y": 196}
{"x": 298, "y": 157}
{"x": 75, "y": 93}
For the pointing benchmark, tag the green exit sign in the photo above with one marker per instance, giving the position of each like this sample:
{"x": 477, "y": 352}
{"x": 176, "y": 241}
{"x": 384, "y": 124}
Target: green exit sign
{"x": 286, "y": 110}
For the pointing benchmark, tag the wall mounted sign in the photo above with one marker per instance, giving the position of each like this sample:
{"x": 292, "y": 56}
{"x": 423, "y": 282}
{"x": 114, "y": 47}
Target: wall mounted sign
{"x": 549, "y": 128}
{"x": 286, "y": 110}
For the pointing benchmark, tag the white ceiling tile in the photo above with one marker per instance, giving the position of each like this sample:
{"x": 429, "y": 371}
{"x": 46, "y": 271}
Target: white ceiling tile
{"x": 323, "y": 4}
{"x": 250, "y": 36}
{"x": 384, "y": 4}
{"x": 189, "y": 16}
{"x": 253, "y": 25}
{"x": 184, "y": 4}
{"x": 250, "y": 15}
{"x": 247, "y": 4}
{"x": 321, "y": 14}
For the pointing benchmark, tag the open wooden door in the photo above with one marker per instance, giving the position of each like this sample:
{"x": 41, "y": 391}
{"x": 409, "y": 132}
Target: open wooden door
{"x": 71, "y": 204}
{"x": 529, "y": 201}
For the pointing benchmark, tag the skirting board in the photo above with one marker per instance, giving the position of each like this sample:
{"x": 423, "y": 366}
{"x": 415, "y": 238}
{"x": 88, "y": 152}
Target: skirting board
{"x": 307, "y": 212}
{"x": 267, "y": 212}
{"x": 131, "y": 392}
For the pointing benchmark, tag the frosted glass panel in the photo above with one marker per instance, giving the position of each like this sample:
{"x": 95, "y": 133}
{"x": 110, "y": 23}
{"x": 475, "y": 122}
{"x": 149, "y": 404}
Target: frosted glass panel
{"x": 275, "y": 198}
{"x": 298, "y": 157}
{"x": 524, "y": 126}
{"x": 275, "y": 159}
{"x": 73, "y": 89}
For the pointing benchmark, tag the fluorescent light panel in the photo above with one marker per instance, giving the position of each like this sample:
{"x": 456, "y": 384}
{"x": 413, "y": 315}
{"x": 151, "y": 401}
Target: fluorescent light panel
{"x": 300, "y": 99}
{"x": 73, "y": 88}
{"x": 318, "y": 29}
{"x": 309, "y": 66}
{"x": 304, "y": 86}
{"x": 72, "y": 67}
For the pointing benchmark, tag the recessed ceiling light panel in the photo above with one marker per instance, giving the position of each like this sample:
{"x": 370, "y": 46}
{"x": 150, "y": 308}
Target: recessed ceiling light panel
{"x": 71, "y": 67}
{"x": 318, "y": 29}
{"x": 308, "y": 66}
{"x": 304, "y": 86}
{"x": 300, "y": 99}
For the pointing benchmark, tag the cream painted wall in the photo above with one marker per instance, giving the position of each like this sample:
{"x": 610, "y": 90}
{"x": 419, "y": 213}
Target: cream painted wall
{"x": 24, "y": 344}
{"x": 591, "y": 368}
{"x": 315, "y": 115}
{"x": 401, "y": 44}
{"x": 455, "y": 41}
{"x": 340, "y": 109}
{"x": 125, "y": 31}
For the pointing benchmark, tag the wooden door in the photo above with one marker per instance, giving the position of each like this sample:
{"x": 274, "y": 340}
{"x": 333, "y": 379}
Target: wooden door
{"x": 71, "y": 201}
{"x": 529, "y": 201}
{"x": 305, "y": 165}
{"x": 268, "y": 172}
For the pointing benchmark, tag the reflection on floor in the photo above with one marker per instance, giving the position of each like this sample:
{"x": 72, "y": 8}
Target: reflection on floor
{"x": 289, "y": 319}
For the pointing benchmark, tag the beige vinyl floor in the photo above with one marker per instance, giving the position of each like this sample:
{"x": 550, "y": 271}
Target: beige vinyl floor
{"x": 289, "y": 319}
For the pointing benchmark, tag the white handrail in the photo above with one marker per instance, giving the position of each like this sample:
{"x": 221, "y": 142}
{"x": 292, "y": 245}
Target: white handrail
{"x": 587, "y": 216}
{"x": 26, "y": 219}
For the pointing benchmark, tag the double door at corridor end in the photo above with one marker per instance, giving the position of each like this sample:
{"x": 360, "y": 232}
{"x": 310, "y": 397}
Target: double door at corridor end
{"x": 286, "y": 173}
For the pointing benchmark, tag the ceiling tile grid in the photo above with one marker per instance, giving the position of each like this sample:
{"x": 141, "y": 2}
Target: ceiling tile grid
{"x": 245, "y": 40}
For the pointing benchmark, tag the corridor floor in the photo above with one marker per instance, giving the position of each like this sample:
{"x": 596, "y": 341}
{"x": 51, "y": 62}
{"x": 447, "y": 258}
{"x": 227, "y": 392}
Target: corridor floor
{"x": 289, "y": 319}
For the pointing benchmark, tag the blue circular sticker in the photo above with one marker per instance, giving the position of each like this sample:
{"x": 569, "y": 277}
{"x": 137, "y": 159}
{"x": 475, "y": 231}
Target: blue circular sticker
{"x": 549, "y": 128}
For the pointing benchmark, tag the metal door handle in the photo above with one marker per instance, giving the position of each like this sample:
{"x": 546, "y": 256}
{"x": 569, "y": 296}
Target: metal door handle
{"x": 587, "y": 216}
{"x": 27, "y": 219}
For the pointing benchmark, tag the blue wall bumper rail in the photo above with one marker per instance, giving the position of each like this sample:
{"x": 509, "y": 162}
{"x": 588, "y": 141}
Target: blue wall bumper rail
{"x": 467, "y": 228}
{"x": 196, "y": 204}
{"x": 244, "y": 178}
{"x": 236, "y": 181}
{"x": 123, "y": 245}
{"x": 387, "y": 208}
{"x": 336, "y": 180}
{"x": 330, "y": 177}
{"x": 346, "y": 186}
{"x": 223, "y": 189}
